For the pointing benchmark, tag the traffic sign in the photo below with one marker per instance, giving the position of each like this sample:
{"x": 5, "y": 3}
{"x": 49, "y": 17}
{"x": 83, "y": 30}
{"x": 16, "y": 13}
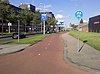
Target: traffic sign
{"x": 79, "y": 14}
{"x": 61, "y": 23}
{"x": 44, "y": 17}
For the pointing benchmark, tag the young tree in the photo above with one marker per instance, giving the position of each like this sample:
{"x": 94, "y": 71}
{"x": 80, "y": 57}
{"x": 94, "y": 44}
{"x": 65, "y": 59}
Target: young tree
{"x": 4, "y": 1}
{"x": 12, "y": 16}
{"x": 37, "y": 18}
{"x": 26, "y": 16}
{"x": 74, "y": 26}
{"x": 51, "y": 21}
{"x": 81, "y": 21}
{"x": 4, "y": 11}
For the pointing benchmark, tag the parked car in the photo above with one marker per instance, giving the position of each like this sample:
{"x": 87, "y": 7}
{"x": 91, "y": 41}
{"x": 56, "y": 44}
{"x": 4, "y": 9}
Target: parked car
{"x": 48, "y": 31}
{"x": 21, "y": 35}
{"x": 51, "y": 31}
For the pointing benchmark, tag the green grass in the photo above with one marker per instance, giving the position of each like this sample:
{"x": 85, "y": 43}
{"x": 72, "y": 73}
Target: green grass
{"x": 92, "y": 38}
{"x": 5, "y": 34}
{"x": 30, "y": 40}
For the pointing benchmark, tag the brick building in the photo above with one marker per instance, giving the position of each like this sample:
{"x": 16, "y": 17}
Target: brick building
{"x": 94, "y": 24}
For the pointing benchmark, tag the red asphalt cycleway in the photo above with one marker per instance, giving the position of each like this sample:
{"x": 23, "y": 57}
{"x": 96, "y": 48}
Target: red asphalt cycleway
{"x": 45, "y": 57}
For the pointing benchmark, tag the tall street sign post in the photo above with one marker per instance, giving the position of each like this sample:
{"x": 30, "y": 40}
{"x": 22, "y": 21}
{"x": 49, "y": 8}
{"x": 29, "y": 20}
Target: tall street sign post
{"x": 78, "y": 15}
{"x": 44, "y": 18}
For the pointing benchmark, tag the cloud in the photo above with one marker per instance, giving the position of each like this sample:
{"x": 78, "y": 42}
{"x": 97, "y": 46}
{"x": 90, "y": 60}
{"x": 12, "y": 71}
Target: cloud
{"x": 60, "y": 11}
{"x": 46, "y": 8}
{"x": 59, "y": 16}
{"x": 97, "y": 13}
{"x": 85, "y": 21}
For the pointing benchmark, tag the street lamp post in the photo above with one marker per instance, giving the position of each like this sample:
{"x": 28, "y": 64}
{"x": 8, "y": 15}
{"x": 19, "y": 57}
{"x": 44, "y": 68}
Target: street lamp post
{"x": 9, "y": 24}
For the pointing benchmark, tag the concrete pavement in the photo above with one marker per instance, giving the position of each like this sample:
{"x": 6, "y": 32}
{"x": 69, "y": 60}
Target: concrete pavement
{"x": 12, "y": 48}
{"x": 87, "y": 59}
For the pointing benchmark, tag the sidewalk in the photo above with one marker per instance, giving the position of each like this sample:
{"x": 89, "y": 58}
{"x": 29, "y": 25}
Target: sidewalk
{"x": 87, "y": 59}
{"x": 12, "y": 48}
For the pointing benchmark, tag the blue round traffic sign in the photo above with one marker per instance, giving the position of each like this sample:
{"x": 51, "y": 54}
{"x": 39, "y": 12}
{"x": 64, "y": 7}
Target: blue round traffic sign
{"x": 79, "y": 14}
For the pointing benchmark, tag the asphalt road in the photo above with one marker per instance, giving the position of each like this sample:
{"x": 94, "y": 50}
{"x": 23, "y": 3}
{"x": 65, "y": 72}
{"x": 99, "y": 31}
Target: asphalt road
{"x": 10, "y": 38}
{"x": 45, "y": 57}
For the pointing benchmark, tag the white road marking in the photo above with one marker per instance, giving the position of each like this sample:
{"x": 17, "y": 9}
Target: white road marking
{"x": 39, "y": 54}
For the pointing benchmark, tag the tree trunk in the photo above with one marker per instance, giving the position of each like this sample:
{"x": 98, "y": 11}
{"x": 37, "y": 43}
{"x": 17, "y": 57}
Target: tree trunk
{"x": 25, "y": 27}
{"x": 2, "y": 26}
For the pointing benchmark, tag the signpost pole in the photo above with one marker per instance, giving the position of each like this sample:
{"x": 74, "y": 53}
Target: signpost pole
{"x": 78, "y": 15}
{"x": 43, "y": 27}
{"x": 44, "y": 18}
{"x": 78, "y": 40}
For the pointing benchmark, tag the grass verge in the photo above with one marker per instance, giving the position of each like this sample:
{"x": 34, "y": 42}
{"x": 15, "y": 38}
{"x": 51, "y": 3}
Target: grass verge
{"x": 30, "y": 40}
{"x": 5, "y": 34}
{"x": 92, "y": 38}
